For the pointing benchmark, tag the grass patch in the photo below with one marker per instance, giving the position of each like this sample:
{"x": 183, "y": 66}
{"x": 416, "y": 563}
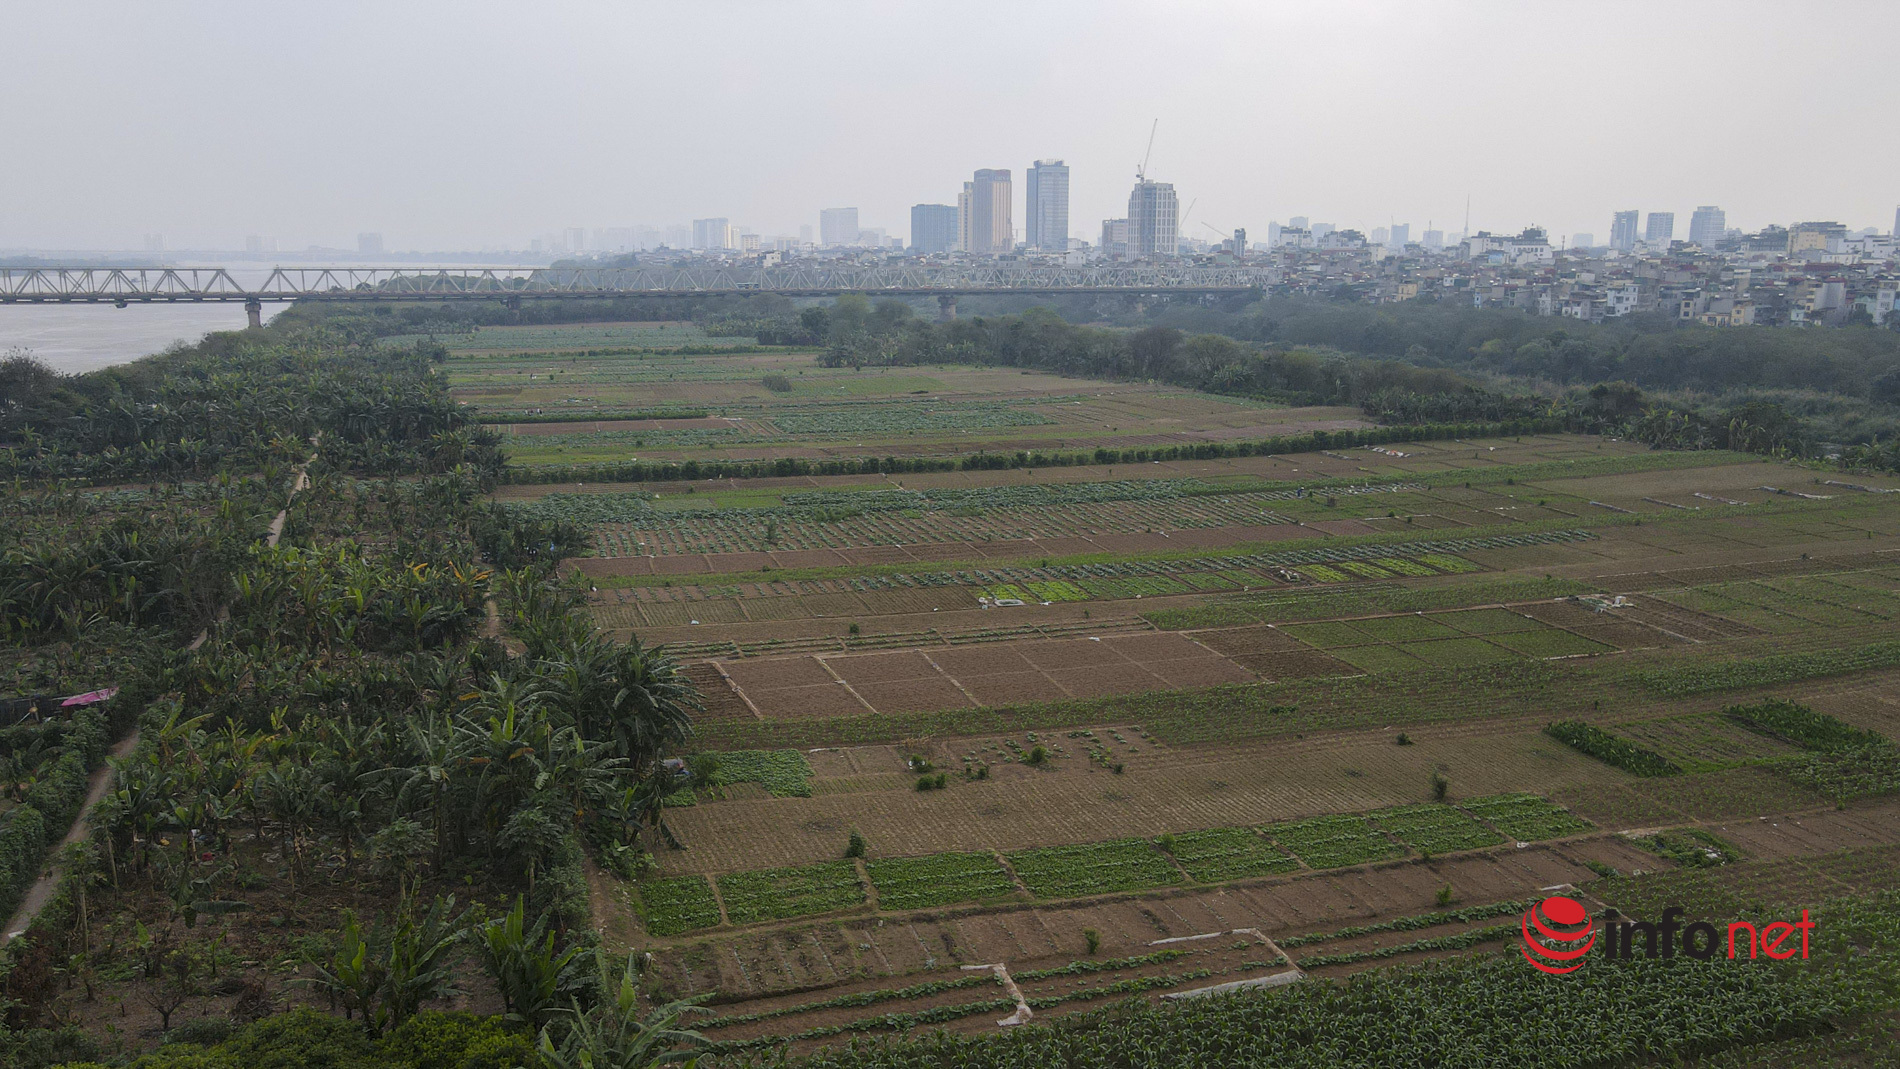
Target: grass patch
{"x": 1403, "y": 628}
{"x": 1457, "y": 652}
{"x": 1377, "y": 658}
{"x": 1550, "y": 642}
{"x": 1330, "y": 635}
{"x": 1487, "y": 621}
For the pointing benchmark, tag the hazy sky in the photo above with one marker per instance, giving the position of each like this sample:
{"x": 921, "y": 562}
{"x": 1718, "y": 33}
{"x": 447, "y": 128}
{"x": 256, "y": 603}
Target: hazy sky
{"x": 459, "y": 125}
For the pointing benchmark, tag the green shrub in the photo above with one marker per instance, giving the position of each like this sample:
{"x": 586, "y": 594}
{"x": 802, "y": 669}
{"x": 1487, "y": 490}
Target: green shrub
{"x": 432, "y": 1040}
{"x": 302, "y": 1039}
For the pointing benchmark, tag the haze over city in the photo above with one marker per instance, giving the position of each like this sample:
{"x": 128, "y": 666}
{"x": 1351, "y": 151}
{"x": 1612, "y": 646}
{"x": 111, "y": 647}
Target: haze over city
{"x": 202, "y": 125}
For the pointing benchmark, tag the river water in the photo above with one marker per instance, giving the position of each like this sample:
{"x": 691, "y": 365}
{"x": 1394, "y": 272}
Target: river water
{"x": 86, "y": 337}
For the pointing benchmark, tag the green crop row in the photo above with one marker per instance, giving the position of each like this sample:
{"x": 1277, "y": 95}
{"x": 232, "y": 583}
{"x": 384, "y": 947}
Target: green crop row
{"x": 1333, "y": 842}
{"x": 1075, "y": 870}
{"x": 1460, "y": 941}
{"x": 676, "y": 905}
{"x": 1526, "y": 818}
{"x": 1226, "y": 854}
{"x": 1766, "y": 671}
{"x": 783, "y": 773}
{"x": 779, "y": 894}
{"x": 1080, "y": 869}
{"x": 1611, "y": 749}
{"x": 937, "y": 880}
{"x": 1801, "y": 726}
{"x": 1434, "y": 829}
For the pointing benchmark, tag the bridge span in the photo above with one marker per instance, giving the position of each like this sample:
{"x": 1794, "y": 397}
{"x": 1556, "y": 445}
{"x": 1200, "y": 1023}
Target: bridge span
{"x": 127, "y": 286}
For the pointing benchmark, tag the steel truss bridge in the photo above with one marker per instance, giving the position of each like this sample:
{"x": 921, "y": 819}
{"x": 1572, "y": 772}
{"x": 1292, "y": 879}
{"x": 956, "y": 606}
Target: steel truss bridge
{"x": 124, "y": 286}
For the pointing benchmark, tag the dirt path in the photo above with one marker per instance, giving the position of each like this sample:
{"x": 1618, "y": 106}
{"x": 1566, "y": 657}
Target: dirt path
{"x": 41, "y": 892}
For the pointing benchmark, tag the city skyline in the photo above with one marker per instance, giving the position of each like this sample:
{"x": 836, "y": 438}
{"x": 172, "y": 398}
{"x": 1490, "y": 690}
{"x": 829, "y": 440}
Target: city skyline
{"x": 1392, "y": 124}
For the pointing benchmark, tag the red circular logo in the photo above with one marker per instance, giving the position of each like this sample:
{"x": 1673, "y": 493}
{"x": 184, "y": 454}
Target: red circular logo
{"x": 1558, "y": 933}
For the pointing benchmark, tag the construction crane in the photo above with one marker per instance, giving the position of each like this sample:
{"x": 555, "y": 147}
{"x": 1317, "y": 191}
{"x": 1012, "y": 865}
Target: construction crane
{"x": 1141, "y": 172}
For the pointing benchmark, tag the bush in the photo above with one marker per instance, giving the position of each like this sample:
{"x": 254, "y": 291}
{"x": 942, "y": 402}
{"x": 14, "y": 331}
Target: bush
{"x": 1612, "y": 750}
{"x": 432, "y": 1040}
{"x": 777, "y": 383}
{"x": 37, "y": 1048}
{"x": 854, "y": 847}
{"x": 207, "y": 1031}
{"x": 301, "y": 1039}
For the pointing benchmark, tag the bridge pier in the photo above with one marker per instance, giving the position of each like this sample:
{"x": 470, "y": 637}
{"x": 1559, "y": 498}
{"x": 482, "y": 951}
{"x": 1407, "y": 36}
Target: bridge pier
{"x": 946, "y": 307}
{"x": 254, "y": 310}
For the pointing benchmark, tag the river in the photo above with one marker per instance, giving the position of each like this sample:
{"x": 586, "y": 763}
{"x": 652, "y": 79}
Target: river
{"x": 86, "y": 337}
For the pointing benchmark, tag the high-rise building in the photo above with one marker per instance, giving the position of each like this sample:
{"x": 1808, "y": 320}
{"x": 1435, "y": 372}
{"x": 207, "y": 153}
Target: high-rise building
{"x": 1896, "y": 224}
{"x": 1623, "y": 230}
{"x": 1115, "y": 238}
{"x": 1660, "y": 229}
{"x": 369, "y": 244}
{"x": 259, "y": 243}
{"x": 1298, "y": 222}
{"x": 933, "y": 228}
{"x": 713, "y": 233}
{"x": 1154, "y": 218}
{"x": 992, "y": 232}
{"x": 838, "y": 226}
{"x": 1046, "y": 211}
{"x": 1318, "y": 230}
{"x": 963, "y": 216}
{"x": 1401, "y": 235}
{"x": 1708, "y": 226}
{"x": 1381, "y": 236}
{"x": 574, "y": 238}
{"x": 1583, "y": 239}
{"x": 1434, "y": 240}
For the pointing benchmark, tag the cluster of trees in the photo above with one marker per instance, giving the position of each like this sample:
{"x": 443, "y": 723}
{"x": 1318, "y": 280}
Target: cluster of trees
{"x": 71, "y": 561}
{"x": 353, "y": 710}
{"x": 251, "y": 401}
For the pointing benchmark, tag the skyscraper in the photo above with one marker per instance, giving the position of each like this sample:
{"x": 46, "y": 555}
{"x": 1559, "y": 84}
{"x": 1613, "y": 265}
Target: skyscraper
{"x": 933, "y": 228}
{"x": 963, "y": 217}
{"x": 1707, "y": 226}
{"x": 369, "y": 244}
{"x": 838, "y": 226}
{"x": 1154, "y": 217}
{"x": 711, "y": 234}
{"x": 1661, "y": 228}
{"x": 1623, "y": 230}
{"x": 992, "y": 231}
{"x": 1046, "y": 213}
{"x": 1401, "y": 235}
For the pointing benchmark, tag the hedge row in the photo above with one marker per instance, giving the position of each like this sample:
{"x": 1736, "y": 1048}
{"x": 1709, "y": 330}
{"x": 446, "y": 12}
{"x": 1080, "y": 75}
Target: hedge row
{"x": 635, "y": 471}
{"x": 1612, "y": 750}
